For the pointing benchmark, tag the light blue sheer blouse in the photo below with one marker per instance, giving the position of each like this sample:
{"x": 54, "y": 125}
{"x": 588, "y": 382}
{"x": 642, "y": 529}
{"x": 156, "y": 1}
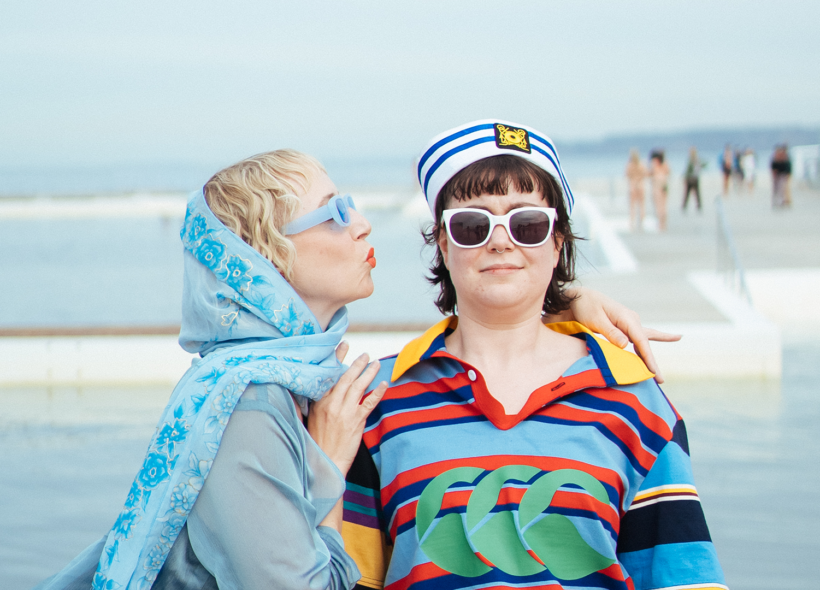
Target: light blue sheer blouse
{"x": 256, "y": 521}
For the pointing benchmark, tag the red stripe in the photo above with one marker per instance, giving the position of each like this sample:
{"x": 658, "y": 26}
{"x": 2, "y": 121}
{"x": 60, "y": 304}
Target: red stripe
{"x": 491, "y": 462}
{"x": 425, "y": 571}
{"x": 413, "y": 388}
{"x": 413, "y": 417}
{"x": 511, "y": 495}
{"x": 613, "y": 422}
{"x": 652, "y": 421}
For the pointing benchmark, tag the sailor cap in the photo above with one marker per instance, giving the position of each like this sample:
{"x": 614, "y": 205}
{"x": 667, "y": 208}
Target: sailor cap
{"x": 452, "y": 151}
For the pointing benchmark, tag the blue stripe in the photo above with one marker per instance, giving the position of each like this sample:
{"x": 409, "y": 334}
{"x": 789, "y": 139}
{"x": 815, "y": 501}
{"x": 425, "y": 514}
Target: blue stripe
{"x": 600, "y": 360}
{"x": 577, "y": 512}
{"x": 452, "y": 152}
{"x": 570, "y": 198}
{"x": 496, "y": 578}
{"x": 557, "y": 160}
{"x": 648, "y": 436}
{"x": 426, "y": 400}
{"x": 625, "y": 450}
{"x": 448, "y": 139}
{"x": 434, "y": 424}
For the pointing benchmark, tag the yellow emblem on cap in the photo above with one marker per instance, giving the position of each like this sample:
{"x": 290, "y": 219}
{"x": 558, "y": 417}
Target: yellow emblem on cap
{"x": 512, "y": 138}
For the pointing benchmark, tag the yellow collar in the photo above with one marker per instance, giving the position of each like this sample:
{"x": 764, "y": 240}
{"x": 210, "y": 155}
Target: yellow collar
{"x": 624, "y": 367}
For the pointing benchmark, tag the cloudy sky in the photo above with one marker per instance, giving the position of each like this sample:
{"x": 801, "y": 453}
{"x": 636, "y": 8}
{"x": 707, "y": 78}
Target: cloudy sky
{"x": 106, "y": 81}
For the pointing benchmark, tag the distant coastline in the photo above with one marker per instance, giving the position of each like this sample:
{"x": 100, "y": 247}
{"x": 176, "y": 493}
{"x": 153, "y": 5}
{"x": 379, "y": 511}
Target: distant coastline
{"x": 588, "y": 158}
{"x": 760, "y": 139}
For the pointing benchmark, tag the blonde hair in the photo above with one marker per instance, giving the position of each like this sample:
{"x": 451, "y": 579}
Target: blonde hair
{"x": 255, "y": 198}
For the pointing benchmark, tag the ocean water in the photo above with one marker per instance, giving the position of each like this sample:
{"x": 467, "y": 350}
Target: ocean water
{"x": 69, "y": 455}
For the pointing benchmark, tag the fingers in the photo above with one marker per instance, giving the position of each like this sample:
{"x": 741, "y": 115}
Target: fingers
{"x": 342, "y": 350}
{"x": 615, "y": 336}
{"x": 644, "y": 351}
{"x": 372, "y": 399}
{"x": 359, "y": 385}
{"x": 659, "y": 336}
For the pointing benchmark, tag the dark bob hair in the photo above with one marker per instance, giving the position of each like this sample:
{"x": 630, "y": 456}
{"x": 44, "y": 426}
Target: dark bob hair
{"x": 496, "y": 175}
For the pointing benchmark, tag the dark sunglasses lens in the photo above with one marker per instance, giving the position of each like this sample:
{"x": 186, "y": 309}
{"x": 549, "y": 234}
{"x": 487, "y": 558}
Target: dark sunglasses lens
{"x": 344, "y": 213}
{"x": 530, "y": 227}
{"x": 469, "y": 228}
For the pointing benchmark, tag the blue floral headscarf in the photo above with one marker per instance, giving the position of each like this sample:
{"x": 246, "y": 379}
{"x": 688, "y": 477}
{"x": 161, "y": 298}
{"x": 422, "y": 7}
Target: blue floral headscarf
{"x": 249, "y": 326}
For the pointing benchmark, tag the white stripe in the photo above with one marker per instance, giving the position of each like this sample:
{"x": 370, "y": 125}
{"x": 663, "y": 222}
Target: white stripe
{"x": 662, "y": 499}
{"x": 695, "y": 587}
{"x": 453, "y": 144}
{"x": 666, "y": 487}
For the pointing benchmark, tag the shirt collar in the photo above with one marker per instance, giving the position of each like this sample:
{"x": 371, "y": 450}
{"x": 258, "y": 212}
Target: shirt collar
{"x": 618, "y": 367}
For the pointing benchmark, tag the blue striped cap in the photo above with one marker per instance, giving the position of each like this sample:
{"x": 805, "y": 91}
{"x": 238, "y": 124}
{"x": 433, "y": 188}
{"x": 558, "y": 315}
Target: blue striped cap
{"x": 452, "y": 151}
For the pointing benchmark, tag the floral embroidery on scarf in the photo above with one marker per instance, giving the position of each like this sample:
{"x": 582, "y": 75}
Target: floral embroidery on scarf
{"x": 187, "y": 437}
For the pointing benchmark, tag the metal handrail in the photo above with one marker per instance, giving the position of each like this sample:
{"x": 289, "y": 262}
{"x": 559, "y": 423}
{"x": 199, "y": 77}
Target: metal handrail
{"x": 728, "y": 259}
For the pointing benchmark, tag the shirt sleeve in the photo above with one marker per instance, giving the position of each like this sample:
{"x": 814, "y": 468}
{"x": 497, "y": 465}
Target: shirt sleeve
{"x": 256, "y": 521}
{"x": 664, "y": 541}
{"x": 364, "y": 528}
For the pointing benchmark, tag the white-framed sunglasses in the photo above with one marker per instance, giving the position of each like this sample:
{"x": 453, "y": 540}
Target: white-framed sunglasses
{"x": 337, "y": 208}
{"x": 527, "y": 226}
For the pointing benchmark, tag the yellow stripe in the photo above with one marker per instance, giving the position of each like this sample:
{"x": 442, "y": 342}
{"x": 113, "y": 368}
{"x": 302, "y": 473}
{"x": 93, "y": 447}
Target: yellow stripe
{"x": 368, "y": 549}
{"x": 412, "y": 352}
{"x": 687, "y": 489}
{"x": 625, "y": 366}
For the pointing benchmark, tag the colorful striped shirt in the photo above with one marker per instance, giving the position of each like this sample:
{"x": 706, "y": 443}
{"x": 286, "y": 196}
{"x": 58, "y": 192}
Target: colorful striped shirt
{"x": 588, "y": 486}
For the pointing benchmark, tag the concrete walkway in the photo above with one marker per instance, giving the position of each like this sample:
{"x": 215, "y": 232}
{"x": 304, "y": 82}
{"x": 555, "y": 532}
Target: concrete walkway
{"x": 765, "y": 238}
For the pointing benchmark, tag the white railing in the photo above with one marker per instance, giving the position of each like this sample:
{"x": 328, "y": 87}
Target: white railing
{"x": 728, "y": 258}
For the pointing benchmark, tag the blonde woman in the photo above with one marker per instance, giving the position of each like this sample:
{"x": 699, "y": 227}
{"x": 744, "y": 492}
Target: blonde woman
{"x": 241, "y": 484}
{"x": 636, "y": 175}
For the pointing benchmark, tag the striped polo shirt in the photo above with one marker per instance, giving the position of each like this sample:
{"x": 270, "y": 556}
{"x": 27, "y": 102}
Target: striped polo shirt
{"x": 588, "y": 486}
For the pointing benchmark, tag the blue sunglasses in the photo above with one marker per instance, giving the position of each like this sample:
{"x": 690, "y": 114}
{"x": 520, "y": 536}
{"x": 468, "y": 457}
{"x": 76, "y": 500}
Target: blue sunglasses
{"x": 337, "y": 208}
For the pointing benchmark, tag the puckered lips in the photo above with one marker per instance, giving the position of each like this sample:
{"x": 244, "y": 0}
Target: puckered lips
{"x": 371, "y": 258}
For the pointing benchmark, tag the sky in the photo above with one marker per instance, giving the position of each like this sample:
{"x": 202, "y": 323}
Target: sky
{"x": 92, "y": 82}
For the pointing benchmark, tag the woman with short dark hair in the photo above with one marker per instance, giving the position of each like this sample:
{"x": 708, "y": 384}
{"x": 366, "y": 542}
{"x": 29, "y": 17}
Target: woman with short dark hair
{"x": 507, "y": 453}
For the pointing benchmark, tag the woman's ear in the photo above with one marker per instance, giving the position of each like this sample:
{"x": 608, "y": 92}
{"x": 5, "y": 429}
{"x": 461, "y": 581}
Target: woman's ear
{"x": 444, "y": 246}
{"x": 558, "y": 241}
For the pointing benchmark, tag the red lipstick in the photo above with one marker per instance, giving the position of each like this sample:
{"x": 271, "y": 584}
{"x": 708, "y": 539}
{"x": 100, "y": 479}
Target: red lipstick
{"x": 371, "y": 258}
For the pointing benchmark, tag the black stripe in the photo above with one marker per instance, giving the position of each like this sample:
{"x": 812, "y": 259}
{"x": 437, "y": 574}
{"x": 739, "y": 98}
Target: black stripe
{"x": 679, "y": 436}
{"x": 673, "y": 521}
{"x": 363, "y": 472}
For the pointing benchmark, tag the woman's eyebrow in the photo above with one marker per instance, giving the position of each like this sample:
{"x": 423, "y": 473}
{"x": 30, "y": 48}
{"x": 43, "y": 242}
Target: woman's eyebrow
{"x": 326, "y": 198}
{"x": 510, "y": 208}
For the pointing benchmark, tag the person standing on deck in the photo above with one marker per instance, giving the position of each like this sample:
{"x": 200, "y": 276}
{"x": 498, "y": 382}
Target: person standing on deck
{"x": 781, "y": 174}
{"x": 636, "y": 175}
{"x": 692, "y": 177}
{"x": 659, "y": 181}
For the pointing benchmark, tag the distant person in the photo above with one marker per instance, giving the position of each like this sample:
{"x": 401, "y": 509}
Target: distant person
{"x": 725, "y": 161}
{"x": 692, "y": 177}
{"x": 659, "y": 180}
{"x": 636, "y": 175}
{"x": 748, "y": 162}
{"x": 781, "y": 174}
{"x": 737, "y": 169}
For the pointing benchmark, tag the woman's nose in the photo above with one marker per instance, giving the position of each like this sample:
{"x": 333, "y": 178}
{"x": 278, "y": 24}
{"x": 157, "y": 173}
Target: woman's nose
{"x": 359, "y": 225}
{"x": 499, "y": 239}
